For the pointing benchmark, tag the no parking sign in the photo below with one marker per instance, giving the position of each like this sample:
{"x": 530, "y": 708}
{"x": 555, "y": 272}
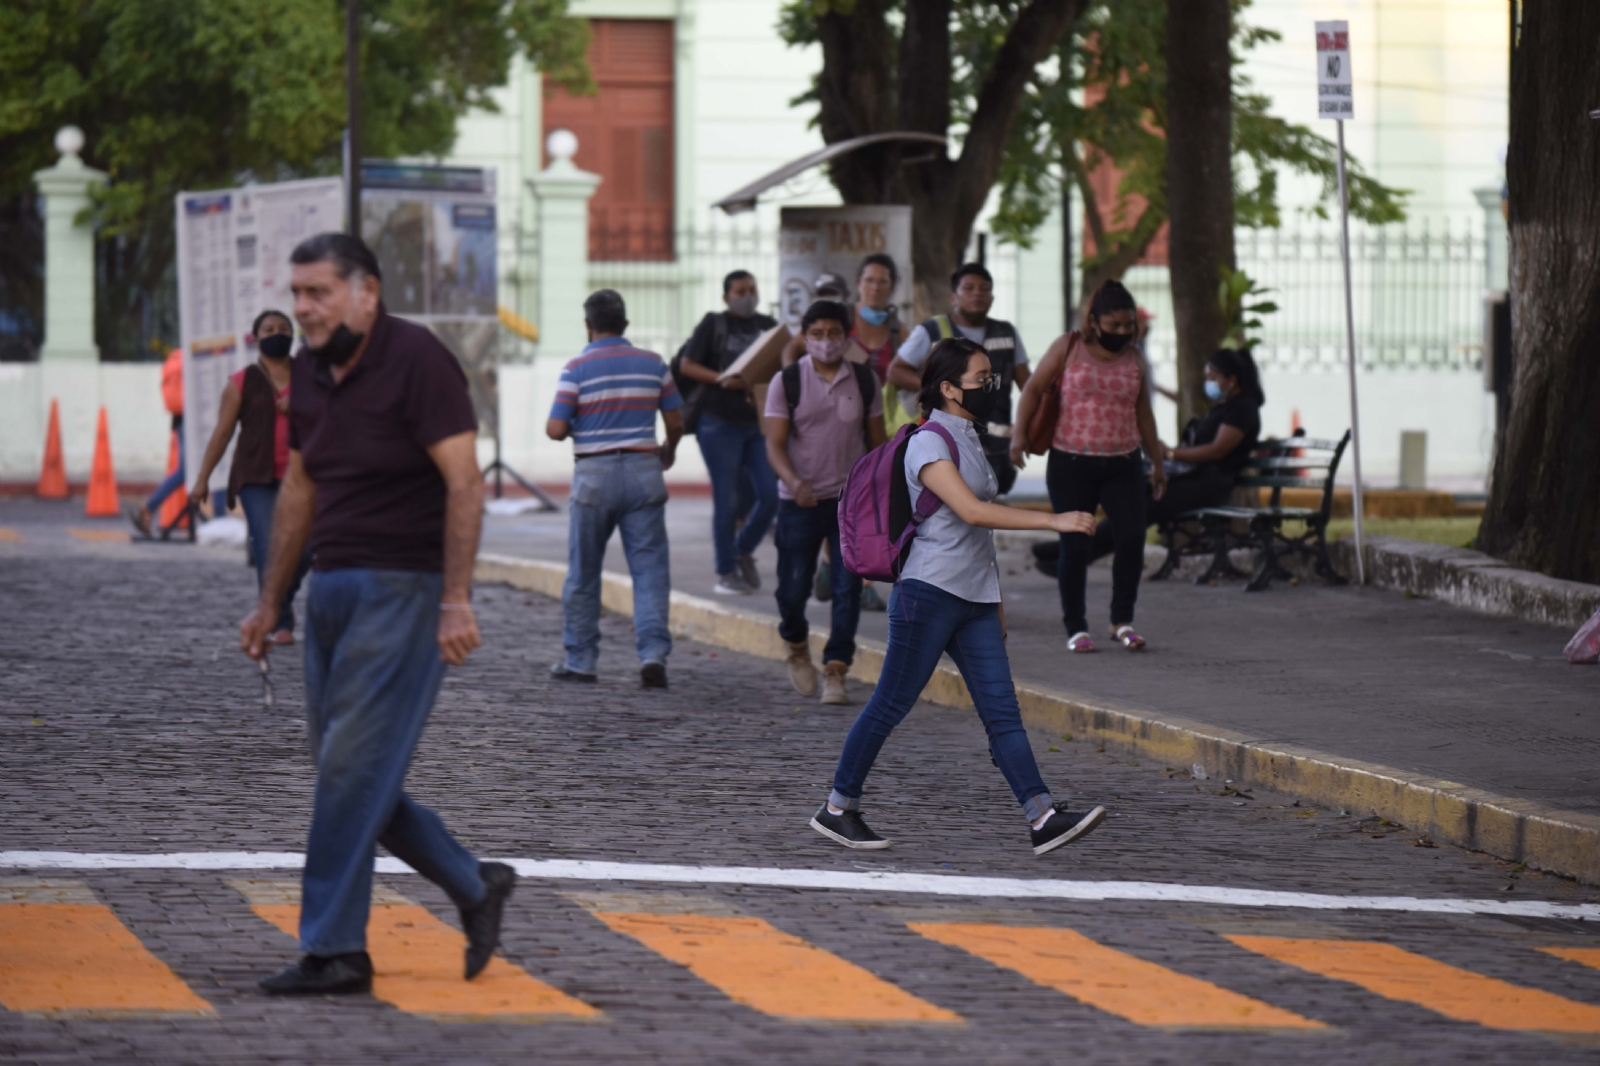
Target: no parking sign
{"x": 1334, "y": 96}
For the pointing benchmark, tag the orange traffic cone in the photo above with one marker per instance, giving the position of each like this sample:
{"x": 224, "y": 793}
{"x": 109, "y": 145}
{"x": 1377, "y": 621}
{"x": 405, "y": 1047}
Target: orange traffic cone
{"x": 176, "y": 505}
{"x": 53, "y": 474}
{"x": 102, "y": 501}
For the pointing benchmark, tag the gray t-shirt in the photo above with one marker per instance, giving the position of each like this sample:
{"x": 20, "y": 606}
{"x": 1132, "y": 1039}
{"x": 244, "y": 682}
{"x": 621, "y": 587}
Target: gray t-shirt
{"x": 948, "y": 553}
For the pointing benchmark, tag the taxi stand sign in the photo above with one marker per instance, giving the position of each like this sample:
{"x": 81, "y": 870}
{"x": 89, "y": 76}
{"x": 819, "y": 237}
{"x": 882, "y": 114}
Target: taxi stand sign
{"x": 1336, "y": 100}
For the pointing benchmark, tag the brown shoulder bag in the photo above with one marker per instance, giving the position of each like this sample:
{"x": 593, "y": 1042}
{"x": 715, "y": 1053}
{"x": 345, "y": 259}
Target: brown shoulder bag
{"x": 1040, "y": 431}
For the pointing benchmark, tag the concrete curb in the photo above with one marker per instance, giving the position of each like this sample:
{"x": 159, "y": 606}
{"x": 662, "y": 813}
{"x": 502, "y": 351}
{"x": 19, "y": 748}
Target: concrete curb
{"x": 1562, "y": 842}
{"x": 1465, "y": 578}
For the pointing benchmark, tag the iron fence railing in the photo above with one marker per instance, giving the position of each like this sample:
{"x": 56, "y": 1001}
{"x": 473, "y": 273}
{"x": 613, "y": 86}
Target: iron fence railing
{"x": 1417, "y": 289}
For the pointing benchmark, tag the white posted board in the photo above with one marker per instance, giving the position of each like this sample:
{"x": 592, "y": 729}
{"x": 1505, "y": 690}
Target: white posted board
{"x": 817, "y": 240}
{"x": 1335, "y": 98}
{"x": 233, "y": 263}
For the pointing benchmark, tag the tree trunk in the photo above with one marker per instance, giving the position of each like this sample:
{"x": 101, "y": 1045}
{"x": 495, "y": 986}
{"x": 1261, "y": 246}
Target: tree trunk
{"x": 1199, "y": 183}
{"x": 1544, "y": 502}
{"x": 945, "y": 194}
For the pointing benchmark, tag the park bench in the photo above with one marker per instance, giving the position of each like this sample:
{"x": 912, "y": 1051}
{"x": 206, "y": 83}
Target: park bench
{"x": 1296, "y": 462}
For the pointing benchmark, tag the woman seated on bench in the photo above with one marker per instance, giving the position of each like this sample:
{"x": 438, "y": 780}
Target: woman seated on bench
{"x": 1201, "y": 472}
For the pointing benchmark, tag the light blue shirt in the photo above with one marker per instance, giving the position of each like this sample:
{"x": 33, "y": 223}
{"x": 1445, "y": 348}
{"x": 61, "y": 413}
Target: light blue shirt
{"x": 948, "y": 553}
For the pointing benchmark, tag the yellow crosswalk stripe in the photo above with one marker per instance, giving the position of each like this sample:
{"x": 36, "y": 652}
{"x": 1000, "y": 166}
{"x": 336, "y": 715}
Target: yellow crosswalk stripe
{"x": 1113, "y": 981}
{"x": 771, "y": 971}
{"x": 110, "y": 536}
{"x": 1398, "y": 974}
{"x": 417, "y": 963}
{"x": 10, "y": 534}
{"x": 1589, "y": 957}
{"x": 66, "y": 953}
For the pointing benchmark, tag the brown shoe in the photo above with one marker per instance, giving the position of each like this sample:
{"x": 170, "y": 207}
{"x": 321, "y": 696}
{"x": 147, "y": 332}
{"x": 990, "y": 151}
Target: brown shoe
{"x": 833, "y": 684}
{"x": 801, "y": 673}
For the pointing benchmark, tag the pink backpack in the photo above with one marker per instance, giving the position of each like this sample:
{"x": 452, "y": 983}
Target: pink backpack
{"x": 876, "y": 519}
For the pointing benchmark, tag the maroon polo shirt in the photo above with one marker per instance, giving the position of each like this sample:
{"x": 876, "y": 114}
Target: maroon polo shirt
{"x": 364, "y": 441}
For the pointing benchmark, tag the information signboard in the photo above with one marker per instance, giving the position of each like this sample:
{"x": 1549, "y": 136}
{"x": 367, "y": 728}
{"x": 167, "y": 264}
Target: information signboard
{"x": 433, "y": 231}
{"x": 233, "y": 263}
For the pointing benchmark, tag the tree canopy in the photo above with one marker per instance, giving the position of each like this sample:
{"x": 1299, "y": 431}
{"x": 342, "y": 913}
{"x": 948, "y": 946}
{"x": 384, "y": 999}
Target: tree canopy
{"x": 196, "y": 94}
{"x": 1104, "y": 98}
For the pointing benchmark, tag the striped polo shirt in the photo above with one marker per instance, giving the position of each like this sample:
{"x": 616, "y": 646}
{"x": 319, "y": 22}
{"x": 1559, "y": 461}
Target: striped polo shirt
{"x": 610, "y": 395}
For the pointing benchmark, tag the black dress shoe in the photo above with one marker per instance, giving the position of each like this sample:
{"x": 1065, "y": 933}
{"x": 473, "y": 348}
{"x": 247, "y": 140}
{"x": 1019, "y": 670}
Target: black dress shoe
{"x": 653, "y": 675}
{"x": 323, "y": 975}
{"x": 481, "y": 921}
{"x": 561, "y": 673}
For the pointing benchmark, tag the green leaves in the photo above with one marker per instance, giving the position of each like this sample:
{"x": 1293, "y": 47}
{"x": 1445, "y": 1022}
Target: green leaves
{"x": 196, "y": 94}
{"x": 1234, "y": 292}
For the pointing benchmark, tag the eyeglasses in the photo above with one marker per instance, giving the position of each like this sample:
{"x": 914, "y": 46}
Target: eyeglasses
{"x": 989, "y": 383}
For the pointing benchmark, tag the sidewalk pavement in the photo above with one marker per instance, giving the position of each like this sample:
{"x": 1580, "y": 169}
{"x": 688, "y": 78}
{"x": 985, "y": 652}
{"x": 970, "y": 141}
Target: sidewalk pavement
{"x": 1362, "y": 673}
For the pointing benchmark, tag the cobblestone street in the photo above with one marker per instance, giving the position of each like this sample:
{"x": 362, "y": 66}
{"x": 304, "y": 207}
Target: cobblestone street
{"x": 130, "y": 724}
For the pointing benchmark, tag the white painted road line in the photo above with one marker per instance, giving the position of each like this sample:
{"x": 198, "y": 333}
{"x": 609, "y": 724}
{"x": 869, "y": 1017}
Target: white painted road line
{"x": 917, "y": 884}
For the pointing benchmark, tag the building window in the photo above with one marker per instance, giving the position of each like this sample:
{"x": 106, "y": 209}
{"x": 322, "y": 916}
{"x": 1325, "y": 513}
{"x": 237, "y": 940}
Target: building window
{"x": 624, "y": 135}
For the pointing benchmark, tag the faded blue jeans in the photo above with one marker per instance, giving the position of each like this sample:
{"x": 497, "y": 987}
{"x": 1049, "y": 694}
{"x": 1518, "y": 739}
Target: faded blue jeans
{"x": 617, "y": 490}
{"x": 258, "y": 502}
{"x": 733, "y": 453}
{"x": 925, "y": 622}
{"x": 372, "y": 672}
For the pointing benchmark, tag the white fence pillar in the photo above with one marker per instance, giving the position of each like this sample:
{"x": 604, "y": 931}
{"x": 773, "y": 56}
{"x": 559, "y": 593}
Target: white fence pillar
{"x": 563, "y": 192}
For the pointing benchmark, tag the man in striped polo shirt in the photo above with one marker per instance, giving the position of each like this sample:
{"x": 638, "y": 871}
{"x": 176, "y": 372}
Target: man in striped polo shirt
{"x": 607, "y": 402}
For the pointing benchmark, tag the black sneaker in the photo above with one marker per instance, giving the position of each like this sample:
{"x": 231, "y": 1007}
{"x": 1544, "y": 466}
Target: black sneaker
{"x": 561, "y": 672}
{"x": 1063, "y": 827}
{"x": 848, "y": 829}
{"x": 481, "y": 921}
{"x": 653, "y": 675}
{"x": 323, "y": 975}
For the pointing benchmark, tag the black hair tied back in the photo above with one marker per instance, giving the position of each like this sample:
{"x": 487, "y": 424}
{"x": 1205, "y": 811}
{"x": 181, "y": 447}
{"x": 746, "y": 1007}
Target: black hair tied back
{"x": 946, "y": 362}
{"x": 1112, "y": 296}
{"x": 1238, "y": 363}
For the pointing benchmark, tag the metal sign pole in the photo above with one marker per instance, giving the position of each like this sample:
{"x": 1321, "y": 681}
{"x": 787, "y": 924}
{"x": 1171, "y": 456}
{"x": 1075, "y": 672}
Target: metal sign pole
{"x": 1350, "y": 342}
{"x": 352, "y": 103}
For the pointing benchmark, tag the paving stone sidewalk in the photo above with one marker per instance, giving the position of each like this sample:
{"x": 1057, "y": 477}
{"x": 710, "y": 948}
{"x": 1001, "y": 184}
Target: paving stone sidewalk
{"x": 130, "y": 723}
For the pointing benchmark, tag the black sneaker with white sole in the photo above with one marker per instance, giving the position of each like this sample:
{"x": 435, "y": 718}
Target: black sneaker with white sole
{"x": 1063, "y": 827}
{"x": 848, "y": 829}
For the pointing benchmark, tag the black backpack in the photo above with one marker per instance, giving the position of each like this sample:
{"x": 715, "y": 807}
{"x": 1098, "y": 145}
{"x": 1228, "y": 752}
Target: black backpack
{"x": 692, "y": 391}
{"x": 866, "y": 381}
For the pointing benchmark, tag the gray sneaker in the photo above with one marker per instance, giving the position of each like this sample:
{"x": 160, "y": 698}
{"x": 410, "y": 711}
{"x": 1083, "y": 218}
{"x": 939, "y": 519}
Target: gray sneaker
{"x": 749, "y": 571}
{"x": 731, "y": 585}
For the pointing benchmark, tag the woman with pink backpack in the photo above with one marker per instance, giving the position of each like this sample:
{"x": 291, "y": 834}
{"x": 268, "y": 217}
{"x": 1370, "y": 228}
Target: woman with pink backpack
{"x": 948, "y": 599}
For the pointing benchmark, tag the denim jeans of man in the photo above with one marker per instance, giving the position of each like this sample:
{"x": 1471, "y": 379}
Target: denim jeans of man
{"x": 617, "y": 491}
{"x": 731, "y": 453}
{"x": 372, "y": 673}
{"x": 175, "y": 480}
{"x": 924, "y": 623}
{"x": 258, "y": 502}
{"x": 801, "y": 533}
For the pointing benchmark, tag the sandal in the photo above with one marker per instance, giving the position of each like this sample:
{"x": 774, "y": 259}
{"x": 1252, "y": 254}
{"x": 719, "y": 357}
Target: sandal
{"x": 1127, "y": 637}
{"x": 1080, "y": 642}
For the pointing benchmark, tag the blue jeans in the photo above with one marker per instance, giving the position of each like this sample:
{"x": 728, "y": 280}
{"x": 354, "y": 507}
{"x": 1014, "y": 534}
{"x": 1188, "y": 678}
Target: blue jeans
{"x": 800, "y": 535}
{"x": 924, "y": 623}
{"x": 372, "y": 672}
{"x": 733, "y": 453}
{"x": 258, "y": 502}
{"x": 175, "y": 480}
{"x": 618, "y": 490}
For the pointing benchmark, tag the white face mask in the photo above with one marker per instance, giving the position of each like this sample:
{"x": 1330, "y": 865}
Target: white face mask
{"x": 743, "y": 306}
{"x": 827, "y": 351}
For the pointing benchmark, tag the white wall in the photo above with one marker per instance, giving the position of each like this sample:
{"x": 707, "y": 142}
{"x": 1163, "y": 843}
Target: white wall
{"x": 137, "y": 420}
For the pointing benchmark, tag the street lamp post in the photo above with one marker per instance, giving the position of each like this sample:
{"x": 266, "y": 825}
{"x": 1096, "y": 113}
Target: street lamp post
{"x": 352, "y": 136}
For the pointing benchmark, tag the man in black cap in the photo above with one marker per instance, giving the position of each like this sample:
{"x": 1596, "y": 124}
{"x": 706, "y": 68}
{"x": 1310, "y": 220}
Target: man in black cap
{"x": 383, "y": 479}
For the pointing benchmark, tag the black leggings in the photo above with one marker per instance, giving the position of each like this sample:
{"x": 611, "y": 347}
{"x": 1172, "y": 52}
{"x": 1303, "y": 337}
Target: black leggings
{"x": 1208, "y": 485}
{"x": 1082, "y": 483}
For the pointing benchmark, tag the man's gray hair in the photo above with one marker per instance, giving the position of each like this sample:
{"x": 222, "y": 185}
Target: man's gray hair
{"x": 605, "y": 312}
{"x": 349, "y": 255}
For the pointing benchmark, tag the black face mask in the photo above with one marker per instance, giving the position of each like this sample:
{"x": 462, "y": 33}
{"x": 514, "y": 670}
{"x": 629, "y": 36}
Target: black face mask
{"x": 340, "y": 348}
{"x": 980, "y": 403}
{"x": 276, "y": 346}
{"x": 1113, "y": 342}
